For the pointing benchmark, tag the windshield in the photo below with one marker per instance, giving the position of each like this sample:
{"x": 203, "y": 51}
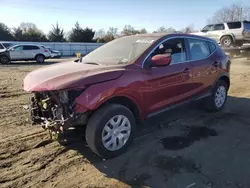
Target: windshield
{"x": 120, "y": 51}
{"x": 207, "y": 28}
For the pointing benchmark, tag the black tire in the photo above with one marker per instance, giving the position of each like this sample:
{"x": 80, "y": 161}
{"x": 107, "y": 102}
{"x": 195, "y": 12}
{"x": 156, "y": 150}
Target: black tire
{"x": 40, "y": 59}
{"x": 4, "y": 60}
{"x": 226, "y": 41}
{"x": 210, "y": 102}
{"x": 97, "y": 123}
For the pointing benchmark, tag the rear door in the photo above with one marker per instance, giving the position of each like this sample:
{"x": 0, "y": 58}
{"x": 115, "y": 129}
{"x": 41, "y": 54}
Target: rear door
{"x": 204, "y": 66}
{"x": 30, "y": 51}
{"x": 236, "y": 29}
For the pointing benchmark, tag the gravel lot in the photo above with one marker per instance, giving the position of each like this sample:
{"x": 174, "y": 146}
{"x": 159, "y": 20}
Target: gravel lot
{"x": 183, "y": 148}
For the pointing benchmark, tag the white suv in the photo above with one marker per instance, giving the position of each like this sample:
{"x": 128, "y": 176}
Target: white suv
{"x": 29, "y": 52}
{"x": 228, "y": 34}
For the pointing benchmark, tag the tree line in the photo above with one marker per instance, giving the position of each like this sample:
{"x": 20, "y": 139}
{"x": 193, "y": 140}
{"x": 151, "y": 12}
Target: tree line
{"x": 30, "y": 32}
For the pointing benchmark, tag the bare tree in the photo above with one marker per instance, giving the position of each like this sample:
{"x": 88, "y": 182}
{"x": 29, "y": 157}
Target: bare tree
{"x": 112, "y": 32}
{"x": 188, "y": 29}
{"x": 143, "y": 31}
{"x": 233, "y": 12}
{"x": 100, "y": 33}
{"x": 162, "y": 29}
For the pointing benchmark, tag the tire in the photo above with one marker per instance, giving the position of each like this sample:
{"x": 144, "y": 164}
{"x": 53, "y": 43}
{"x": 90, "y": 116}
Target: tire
{"x": 40, "y": 59}
{"x": 4, "y": 60}
{"x": 210, "y": 102}
{"x": 97, "y": 126}
{"x": 226, "y": 41}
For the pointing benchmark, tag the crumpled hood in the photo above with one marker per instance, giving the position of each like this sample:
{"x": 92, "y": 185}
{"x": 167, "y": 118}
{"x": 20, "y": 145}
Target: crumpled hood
{"x": 69, "y": 75}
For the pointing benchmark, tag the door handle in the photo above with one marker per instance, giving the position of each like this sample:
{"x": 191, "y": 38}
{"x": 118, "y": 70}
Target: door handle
{"x": 186, "y": 71}
{"x": 216, "y": 64}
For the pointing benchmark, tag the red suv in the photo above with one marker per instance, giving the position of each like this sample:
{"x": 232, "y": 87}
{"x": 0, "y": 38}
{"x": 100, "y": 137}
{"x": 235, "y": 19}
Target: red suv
{"x": 125, "y": 81}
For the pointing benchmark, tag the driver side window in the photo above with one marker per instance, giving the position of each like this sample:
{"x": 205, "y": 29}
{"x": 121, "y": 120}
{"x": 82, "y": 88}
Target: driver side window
{"x": 174, "y": 48}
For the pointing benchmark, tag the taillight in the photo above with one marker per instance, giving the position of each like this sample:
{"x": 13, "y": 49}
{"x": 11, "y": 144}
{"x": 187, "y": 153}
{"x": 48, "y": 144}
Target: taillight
{"x": 46, "y": 51}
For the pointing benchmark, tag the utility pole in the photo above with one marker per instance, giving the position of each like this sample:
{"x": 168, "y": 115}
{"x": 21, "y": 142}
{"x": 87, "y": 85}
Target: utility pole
{"x": 241, "y": 14}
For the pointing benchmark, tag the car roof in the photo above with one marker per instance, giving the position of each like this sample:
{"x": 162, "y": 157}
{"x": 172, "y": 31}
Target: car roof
{"x": 27, "y": 45}
{"x": 163, "y": 35}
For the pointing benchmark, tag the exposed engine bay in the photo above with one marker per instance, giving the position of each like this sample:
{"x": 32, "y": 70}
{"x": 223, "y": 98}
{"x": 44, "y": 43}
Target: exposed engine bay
{"x": 54, "y": 110}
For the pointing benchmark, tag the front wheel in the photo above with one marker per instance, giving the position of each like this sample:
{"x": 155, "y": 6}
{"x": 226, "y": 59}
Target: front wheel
{"x": 110, "y": 130}
{"x": 40, "y": 58}
{"x": 4, "y": 60}
{"x": 218, "y": 98}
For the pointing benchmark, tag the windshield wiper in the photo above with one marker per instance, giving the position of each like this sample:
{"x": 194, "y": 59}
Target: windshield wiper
{"x": 80, "y": 60}
{"x": 92, "y": 63}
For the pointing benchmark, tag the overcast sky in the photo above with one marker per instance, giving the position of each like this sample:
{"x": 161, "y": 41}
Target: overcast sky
{"x": 97, "y": 14}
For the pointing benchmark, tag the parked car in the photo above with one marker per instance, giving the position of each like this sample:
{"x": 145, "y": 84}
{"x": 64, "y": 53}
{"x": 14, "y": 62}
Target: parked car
{"x": 125, "y": 81}
{"x": 4, "y": 56}
{"x": 4, "y": 45}
{"x": 228, "y": 34}
{"x": 54, "y": 53}
{"x": 29, "y": 52}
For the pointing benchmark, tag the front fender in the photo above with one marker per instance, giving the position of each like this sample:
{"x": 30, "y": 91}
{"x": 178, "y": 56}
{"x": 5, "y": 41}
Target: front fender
{"x": 97, "y": 94}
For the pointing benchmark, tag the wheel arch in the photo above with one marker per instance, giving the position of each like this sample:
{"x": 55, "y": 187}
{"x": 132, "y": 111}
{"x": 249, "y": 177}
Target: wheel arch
{"x": 39, "y": 54}
{"x": 230, "y": 35}
{"x": 224, "y": 77}
{"x": 127, "y": 102}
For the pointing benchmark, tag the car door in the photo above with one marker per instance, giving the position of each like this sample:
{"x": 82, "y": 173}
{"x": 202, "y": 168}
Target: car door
{"x": 30, "y": 51}
{"x": 216, "y": 32}
{"x": 16, "y": 53}
{"x": 203, "y": 66}
{"x": 170, "y": 84}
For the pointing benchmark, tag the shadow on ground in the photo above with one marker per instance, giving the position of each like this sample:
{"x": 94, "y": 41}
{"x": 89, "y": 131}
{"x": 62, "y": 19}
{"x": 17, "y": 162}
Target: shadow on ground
{"x": 169, "y": 149}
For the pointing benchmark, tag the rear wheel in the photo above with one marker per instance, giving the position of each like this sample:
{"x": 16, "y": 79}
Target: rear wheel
{"x": 40, "y": 58}
{"x": 110, "y": 130}
{"x": 218, "y": 98}
{"x": 4, "y": 60}
{"x": 226, "y": 41}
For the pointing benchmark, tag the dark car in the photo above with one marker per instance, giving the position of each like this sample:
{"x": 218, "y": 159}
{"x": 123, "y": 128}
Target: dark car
{"x": 126, "y": 81}
{"x": 4, "y": 56}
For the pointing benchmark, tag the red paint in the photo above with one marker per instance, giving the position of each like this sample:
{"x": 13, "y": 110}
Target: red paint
{"x": 161, "y": 60}
{"x": 150, "y": 89}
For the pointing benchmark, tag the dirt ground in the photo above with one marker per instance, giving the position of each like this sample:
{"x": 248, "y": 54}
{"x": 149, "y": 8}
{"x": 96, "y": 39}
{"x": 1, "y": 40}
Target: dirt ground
{"x": 183, "y": 148}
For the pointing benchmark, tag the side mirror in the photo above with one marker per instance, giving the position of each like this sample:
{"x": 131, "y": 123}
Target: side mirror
{"x": 161, "y": 60}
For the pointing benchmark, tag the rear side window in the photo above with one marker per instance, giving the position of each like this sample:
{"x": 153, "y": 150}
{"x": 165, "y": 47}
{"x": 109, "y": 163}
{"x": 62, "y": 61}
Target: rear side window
{"x": 234, "y": 25}
{"x": 31, "y": 48}
{"x": 212, "y": 46}
{"x": 247, "y": 25}
{"x": 198, "y": 49}
{"x": 218, "y": 27}
{"x": 1, "y": 46}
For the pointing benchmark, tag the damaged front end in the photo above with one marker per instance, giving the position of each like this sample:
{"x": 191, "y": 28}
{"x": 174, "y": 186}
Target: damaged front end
{"x": 54, "y": 110}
